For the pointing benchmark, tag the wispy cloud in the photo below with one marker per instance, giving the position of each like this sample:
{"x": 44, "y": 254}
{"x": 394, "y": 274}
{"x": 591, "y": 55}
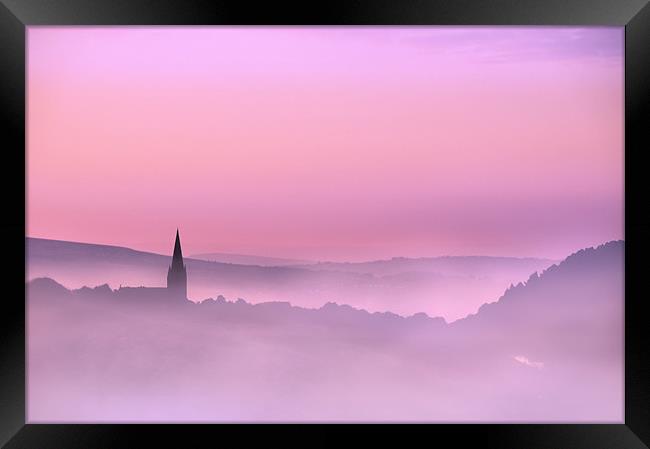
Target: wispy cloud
{"x": 524, "y": 361}
{"x": 514, "y": 44}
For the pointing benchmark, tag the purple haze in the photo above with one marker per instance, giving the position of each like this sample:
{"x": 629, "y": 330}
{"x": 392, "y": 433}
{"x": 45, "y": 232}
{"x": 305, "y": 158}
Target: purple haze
{"x": 549, "y": 350}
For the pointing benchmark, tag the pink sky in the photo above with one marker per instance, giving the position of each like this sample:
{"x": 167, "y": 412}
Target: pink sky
{"x": 327, "y": 143}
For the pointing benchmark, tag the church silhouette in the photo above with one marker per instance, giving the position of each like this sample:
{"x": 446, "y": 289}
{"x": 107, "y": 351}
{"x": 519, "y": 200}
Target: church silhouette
{"x": 177, "y": 274}
{"x": 176, "y": 290}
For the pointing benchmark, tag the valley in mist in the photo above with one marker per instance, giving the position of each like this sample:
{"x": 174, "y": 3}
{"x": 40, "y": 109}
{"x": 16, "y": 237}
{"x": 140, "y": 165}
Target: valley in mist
{"x": 549, "y": 349}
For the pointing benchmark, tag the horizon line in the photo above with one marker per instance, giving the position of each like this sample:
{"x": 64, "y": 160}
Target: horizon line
{"x": 316, "y": 261}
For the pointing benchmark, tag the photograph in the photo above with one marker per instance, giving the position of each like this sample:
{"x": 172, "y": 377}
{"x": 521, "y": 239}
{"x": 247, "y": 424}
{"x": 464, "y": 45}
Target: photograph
{"x": 324, "y": 224}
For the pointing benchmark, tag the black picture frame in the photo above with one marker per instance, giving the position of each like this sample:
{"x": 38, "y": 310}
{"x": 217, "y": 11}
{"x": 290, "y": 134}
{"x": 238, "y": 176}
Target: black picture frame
{"x": 16, "y": 15}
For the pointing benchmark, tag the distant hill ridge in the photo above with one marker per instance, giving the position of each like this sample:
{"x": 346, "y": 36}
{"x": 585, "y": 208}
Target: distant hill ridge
{"x": 71, "y": 247}
{"x": 247, "y": 259}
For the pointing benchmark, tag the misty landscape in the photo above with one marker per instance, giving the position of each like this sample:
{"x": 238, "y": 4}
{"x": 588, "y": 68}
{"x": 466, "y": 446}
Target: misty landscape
{"x": 379, "y": 224}
{"x": 548, "y": 349}
{"x": 460, "y": 285}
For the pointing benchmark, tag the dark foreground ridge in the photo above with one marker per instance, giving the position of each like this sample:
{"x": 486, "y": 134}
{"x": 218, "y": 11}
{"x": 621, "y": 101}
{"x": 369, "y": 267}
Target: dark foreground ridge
{"x": 45, "y": 289}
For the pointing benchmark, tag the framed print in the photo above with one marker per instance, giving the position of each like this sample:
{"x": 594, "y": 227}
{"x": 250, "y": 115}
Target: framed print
{"x": 405, "y": 221}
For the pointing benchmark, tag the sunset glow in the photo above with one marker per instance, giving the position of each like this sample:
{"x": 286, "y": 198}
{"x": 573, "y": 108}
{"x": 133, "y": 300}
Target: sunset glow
{"x": 327, "y": 143}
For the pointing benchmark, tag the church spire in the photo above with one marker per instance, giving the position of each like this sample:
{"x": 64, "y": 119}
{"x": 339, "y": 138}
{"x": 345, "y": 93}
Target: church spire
{"x": 177, "y": 275}
{"x": 177, "y": 259}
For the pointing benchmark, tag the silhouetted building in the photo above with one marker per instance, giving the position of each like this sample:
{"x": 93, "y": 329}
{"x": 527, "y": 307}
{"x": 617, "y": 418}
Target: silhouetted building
{"x": 177, "y": 275}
